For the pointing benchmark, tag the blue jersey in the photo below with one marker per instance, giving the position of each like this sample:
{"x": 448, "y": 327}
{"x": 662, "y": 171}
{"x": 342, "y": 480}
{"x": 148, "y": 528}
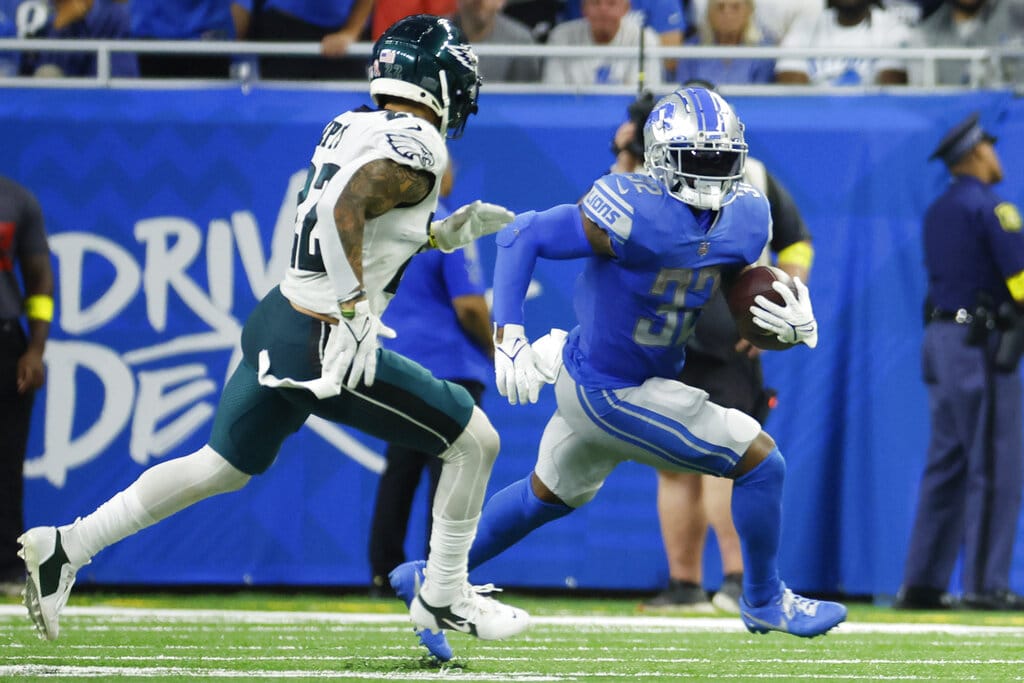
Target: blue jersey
{"x": 636, "y": 311}
{"x": 422, "y": 314}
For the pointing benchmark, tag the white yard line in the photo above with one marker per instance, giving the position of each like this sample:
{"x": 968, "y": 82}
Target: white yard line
{"x": 638, "y": 623}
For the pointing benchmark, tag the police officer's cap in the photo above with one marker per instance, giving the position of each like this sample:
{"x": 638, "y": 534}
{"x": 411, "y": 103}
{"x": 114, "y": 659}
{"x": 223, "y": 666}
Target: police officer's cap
{"x": 960, "y": 140}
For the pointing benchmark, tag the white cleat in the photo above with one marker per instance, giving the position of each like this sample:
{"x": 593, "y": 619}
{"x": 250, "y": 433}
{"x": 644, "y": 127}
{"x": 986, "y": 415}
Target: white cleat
{"x": 472, "y": 613}
{"x": 50, "y": 576}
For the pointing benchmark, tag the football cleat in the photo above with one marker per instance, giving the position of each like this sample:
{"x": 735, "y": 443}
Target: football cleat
{"x": 50, "y": 578}
{"x": 794, "y": 614}
{"x": 406, "y": 580}
{"x": 473, "y": 613}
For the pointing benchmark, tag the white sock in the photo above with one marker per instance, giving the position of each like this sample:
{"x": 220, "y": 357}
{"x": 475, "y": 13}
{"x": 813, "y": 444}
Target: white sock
{"x": 119, "y": 517}
{"x": 456, "y": 512}
{"x": 447, "y": 572}
{"x": 158, "y": 493}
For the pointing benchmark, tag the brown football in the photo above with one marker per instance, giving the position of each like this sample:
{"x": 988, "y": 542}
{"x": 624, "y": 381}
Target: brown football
{"x": 754, "y": 282}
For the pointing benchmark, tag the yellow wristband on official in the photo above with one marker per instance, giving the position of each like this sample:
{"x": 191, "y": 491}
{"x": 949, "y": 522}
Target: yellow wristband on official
{"x": 39, "y": 307}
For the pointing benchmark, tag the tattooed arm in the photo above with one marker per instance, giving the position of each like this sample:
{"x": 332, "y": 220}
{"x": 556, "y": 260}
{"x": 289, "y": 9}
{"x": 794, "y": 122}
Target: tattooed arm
{"x": 372, "y": 191}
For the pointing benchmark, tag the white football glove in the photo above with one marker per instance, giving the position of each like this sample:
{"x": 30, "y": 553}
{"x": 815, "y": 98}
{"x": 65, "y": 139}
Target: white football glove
{"x": 353, "y": 344}
{"x": 467, "y": 224}
{"x": 548, "y": 353}
{"x": 792, "y": 323}
{"x": 515, "y": 367}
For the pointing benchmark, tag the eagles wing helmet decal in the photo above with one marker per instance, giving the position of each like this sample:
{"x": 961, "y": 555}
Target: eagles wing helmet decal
{"x": 464, "y": 54}
{"x": 412, "y": 149}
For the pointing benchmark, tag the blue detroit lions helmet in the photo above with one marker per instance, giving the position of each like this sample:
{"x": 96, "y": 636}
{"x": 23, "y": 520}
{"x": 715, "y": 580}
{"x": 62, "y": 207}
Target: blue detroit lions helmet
{"x": 694, "y": 146}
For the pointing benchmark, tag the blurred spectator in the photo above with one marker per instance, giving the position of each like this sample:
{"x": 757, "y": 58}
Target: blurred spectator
{"x": 441, "y": 297}
{"x": 335, "y": 24}
{"x": 483, "y": 22}
{"x": 729, "y": 22}
{"x": 666, "y": 17}
{"x": 74, "y": 19}
{"x": 775, "y": 17}
{"x": 539, "y": 15}
{"x": 387, "y": 12}
{"x": 604, "y": 23}
{"x": 972, "y": 23}
{"x": 182, "y": 20}
{"x": 26, "y": 302}
{"x": 846, "y": 24}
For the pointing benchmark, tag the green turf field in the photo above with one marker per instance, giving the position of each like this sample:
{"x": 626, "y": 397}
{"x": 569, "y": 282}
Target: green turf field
{"x": 253, "y": 636}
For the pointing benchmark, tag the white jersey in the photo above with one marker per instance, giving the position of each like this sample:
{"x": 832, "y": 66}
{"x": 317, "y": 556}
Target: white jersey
{"x": 318, "y": 274}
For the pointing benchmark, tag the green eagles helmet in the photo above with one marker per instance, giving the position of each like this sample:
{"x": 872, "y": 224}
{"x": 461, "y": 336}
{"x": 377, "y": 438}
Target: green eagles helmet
{"x": 426, "y": 59}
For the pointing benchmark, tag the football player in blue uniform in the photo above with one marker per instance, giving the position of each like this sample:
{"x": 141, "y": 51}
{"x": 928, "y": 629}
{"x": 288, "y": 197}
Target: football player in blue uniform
{"x": 657, "y": 245}
{"x": 311, "y": 345}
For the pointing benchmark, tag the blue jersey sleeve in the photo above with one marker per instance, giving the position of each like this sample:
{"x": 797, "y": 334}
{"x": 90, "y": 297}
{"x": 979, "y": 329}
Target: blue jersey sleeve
{"x": 553, "y": 234}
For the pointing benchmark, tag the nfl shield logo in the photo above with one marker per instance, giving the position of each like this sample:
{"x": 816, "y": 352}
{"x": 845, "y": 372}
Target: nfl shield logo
{"x": 702, "y": 250}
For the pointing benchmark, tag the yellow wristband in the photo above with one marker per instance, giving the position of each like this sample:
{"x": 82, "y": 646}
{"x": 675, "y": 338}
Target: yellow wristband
{"x": 39, "y": 307}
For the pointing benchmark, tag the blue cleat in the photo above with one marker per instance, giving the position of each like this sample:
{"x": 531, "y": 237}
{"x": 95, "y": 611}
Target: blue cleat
{"x": 792, "y": 613}
{"x": 406, "y": 579}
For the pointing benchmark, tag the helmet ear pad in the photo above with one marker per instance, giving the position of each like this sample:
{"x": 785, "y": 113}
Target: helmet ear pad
{"x": 426, "y": 59}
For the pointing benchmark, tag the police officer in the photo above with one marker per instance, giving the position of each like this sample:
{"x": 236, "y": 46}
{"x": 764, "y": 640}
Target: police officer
{"x": 970, "y": 491}
{"x": 23, "y": 247}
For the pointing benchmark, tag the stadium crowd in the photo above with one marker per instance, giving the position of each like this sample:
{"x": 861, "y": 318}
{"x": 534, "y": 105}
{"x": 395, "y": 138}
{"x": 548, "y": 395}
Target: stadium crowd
{"x": 854, "y": 24}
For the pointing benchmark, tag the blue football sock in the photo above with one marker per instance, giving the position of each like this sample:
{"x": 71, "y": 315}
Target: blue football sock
{"x": 757, "y": 514}
{"x": 508, "y": 516}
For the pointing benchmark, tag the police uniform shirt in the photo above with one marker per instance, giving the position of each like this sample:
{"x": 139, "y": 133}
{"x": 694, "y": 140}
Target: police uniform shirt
{"x": 972, "y": 243}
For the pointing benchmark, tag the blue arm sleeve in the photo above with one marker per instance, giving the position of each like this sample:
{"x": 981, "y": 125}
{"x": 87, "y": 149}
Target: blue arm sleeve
{"x": 553, "y": 234}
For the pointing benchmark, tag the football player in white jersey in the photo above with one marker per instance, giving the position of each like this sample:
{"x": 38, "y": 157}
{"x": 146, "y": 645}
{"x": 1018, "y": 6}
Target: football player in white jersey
{"x": 311, "y": 345}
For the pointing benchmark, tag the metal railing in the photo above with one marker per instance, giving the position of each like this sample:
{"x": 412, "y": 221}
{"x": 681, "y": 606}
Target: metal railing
{"x": 985, "y": 65}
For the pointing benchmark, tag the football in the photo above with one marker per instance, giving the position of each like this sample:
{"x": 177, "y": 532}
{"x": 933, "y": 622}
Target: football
{"x": 754, "y": 282}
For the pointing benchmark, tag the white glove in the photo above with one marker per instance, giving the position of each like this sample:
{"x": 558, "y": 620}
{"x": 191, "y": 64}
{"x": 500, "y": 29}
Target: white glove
{"x": 792, "y": 323}
{"x": 353, "y": 344}
{"x": 548, "y": 353}
{"x": 515, "y": 367}
{"x": 467, "y": 224}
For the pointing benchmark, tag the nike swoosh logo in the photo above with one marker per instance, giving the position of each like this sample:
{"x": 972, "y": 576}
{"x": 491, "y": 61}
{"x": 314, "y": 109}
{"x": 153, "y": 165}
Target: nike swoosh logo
{"x": 462, "y": 626}
{"x": 618, "y": 184}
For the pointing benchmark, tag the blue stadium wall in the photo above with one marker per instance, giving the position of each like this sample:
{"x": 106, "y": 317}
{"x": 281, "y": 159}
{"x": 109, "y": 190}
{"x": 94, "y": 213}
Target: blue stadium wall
{"x": 170, "y": 215}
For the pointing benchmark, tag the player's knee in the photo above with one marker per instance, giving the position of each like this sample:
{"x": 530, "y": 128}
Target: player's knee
{"x": 478, "y": 440}
{"x": 580, "y": 498}
{"x": 773, "y": 467}
{"x": 216, "y": 474}
{"x": 762, "y": 446}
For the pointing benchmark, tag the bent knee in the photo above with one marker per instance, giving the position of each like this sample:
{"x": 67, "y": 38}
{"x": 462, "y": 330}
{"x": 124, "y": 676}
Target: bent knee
{"x": 478, "y": 440}
{"x": 219, "y": 475}
{"x": 759, "y": 449}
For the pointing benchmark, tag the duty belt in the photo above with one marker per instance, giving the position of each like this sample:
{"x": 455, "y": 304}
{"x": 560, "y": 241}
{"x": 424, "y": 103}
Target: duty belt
{"x": 960, "y": 316}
